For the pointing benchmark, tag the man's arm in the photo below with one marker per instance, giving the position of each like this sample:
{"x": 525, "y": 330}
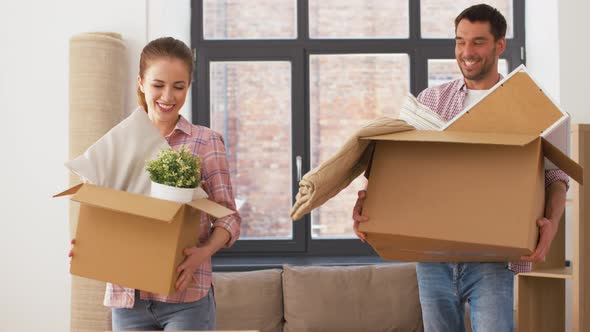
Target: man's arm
{"x": 555, "y": 196}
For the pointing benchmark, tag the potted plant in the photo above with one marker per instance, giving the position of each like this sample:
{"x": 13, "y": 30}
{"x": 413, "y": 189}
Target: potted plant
{"x": 174, "y": 175}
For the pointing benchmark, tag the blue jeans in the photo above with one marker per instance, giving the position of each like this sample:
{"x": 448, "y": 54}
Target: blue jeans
{"x": 149, "y": 315}
{"x": 445, "y": 287}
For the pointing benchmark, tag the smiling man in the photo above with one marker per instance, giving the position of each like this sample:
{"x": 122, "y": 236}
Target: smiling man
{"x": 477, "y": 49}
{"x": 487, "y": 287}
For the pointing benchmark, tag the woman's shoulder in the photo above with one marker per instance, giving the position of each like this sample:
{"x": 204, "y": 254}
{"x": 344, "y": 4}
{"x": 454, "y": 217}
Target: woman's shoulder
{"x": 206, "y": 133}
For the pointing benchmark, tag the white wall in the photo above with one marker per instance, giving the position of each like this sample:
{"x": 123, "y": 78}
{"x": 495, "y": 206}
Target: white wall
{"x": 34, "y": 278}
{"x": 573, "y": 58}
{"x": 542, "y": 44}
{"x": 574, "y": 75}
{"x": 557, "y": 48}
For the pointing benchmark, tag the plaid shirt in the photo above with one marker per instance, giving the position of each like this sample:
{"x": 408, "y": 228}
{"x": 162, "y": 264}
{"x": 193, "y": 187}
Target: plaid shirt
{"x": 447, "y": 100}
{"x": 208, "y": 145}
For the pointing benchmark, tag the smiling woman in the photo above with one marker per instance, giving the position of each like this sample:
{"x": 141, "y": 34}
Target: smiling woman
{"x": 165, "y": 70}
{"x": 165, "y": 73}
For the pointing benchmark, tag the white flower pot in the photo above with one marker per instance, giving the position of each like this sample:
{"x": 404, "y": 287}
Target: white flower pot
{"x": 180, "y": 195}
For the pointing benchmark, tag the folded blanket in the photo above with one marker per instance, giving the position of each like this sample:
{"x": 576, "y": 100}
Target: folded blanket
{"x": 117, "y": 160}
{"x": 336, "y": 173}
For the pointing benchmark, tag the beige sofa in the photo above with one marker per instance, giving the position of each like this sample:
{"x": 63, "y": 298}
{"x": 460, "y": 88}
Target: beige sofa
{"x": 376, "y": 298}
{"x": 314, "y": 298}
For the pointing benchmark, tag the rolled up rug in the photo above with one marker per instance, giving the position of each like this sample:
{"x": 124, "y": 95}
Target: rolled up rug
{"x": 97, "y": 89}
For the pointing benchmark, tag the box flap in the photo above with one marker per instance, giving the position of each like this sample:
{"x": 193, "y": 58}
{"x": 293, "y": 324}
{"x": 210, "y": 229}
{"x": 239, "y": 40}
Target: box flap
{"x": 515, "y": 105}
{"x": 125, "y": 202}
{"x": 562, "y": 161}
{"x": 456, "y": 137}
{"x": 559, "y": 136}
{"x": 210, "y": 207}
{"x": 70, "y": 191}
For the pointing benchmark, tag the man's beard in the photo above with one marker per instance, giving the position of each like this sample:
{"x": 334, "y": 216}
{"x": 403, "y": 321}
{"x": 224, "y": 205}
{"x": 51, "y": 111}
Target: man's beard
{"x": 485, "y": 69}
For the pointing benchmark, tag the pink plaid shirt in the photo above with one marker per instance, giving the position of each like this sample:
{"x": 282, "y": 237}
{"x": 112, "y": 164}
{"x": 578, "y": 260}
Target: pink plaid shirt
{"x": 447, "y": 100}
{"x": 208, "y": 145}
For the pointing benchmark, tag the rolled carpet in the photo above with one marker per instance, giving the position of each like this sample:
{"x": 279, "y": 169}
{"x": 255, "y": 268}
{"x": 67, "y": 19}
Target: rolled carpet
{"x": 97, "y": 89}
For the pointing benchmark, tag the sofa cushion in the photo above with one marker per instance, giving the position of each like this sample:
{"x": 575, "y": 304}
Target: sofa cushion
{"x": 366, "y": 298}
{"x": 249, "y": 300}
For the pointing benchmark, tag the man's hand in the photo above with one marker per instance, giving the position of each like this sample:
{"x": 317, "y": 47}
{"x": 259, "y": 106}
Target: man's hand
{"x": 547, "y": 231}
{"x": 357, "y": 217}
{"x": 194, "y": 257}
{"x": 554, "y": 206}
{"x": 71, "y": 253}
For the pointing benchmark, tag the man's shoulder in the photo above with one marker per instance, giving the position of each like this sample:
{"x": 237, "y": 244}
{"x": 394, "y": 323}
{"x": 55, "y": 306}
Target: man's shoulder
{"x": 432, "y": 96}
{"x": 444, "y": 88}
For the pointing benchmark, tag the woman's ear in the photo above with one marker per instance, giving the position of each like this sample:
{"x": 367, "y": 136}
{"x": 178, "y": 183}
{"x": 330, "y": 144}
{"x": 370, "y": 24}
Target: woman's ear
{"x": 140, "y": 83}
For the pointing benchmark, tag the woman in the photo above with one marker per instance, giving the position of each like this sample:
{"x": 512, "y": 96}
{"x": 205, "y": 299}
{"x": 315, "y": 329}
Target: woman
{"x": 164, "y": 78}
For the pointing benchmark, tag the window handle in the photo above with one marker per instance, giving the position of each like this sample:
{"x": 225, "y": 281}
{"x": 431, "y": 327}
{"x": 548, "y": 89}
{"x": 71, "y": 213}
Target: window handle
{"x": 298, "y": 163}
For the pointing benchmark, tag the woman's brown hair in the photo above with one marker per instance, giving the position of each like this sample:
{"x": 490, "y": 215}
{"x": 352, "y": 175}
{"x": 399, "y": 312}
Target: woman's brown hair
{"x": 161, "y": 48}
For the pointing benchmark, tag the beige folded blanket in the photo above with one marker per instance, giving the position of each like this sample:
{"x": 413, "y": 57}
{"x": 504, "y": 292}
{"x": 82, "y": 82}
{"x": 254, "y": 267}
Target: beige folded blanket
{"x": 117, "y": 160}
{"x": 336, "y": 173}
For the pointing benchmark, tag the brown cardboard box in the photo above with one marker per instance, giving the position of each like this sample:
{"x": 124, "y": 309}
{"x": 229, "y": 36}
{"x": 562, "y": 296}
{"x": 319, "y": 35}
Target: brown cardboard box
{"x": 474, "y": 191}
{"x": 134, "y": 240}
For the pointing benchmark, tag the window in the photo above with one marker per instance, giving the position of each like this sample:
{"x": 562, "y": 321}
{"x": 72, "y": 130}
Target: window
{"x": 261, "y": 170}
{"x": 340, "y": 100}
{"x": 435, "y": 14}
{"x": 235, "y": 19}
{"x": 361, "y": 18}
{"x": 286, "y": 81}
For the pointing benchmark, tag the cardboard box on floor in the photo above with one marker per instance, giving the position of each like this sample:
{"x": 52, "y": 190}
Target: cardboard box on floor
{"x": 134, "y": 240}
{"x": 471, "y": 192}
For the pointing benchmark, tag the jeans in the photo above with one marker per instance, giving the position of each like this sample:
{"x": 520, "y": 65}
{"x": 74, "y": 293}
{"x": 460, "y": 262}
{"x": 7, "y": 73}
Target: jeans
{"x": 445, "y": 287}
{"x": 149, "y": 315}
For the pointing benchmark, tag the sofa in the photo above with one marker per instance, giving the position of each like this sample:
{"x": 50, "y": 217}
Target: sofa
{"x": 382, "y": 297}
{"x": 319, "y": 298}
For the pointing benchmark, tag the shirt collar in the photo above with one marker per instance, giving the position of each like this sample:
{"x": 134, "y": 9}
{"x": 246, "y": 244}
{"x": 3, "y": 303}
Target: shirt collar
{"x": 461, "y": 86}
{"x": 183, "y": 125}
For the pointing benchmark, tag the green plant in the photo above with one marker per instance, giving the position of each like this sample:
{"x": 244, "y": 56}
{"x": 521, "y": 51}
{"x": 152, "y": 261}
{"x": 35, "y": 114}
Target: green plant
{"x": 175, "y": 168}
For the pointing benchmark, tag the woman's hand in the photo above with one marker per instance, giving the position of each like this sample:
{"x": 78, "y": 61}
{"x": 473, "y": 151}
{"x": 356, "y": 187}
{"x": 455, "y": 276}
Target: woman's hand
{"x": 195, "y": 256}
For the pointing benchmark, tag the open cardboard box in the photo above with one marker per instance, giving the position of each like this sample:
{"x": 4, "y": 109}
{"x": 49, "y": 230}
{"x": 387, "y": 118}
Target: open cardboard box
{"x": 471, "y": 192}
{"x": 134, "y": 240}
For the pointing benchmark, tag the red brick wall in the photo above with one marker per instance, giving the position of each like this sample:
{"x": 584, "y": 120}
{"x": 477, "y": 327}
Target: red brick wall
{"x": 251, "y": 102}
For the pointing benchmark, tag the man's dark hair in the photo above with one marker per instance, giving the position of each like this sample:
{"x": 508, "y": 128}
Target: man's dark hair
{"x": 485, "y": 13}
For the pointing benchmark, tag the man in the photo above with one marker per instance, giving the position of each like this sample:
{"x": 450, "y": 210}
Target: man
{"x": 487, "y": 287}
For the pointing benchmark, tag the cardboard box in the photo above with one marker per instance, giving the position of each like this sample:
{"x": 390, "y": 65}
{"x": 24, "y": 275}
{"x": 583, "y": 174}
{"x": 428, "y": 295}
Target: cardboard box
{"x": 134, "y": 240}
{"x": 471, "y": 192}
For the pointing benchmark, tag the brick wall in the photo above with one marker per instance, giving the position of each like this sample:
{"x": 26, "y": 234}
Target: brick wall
{"x": 251, "y": 102}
